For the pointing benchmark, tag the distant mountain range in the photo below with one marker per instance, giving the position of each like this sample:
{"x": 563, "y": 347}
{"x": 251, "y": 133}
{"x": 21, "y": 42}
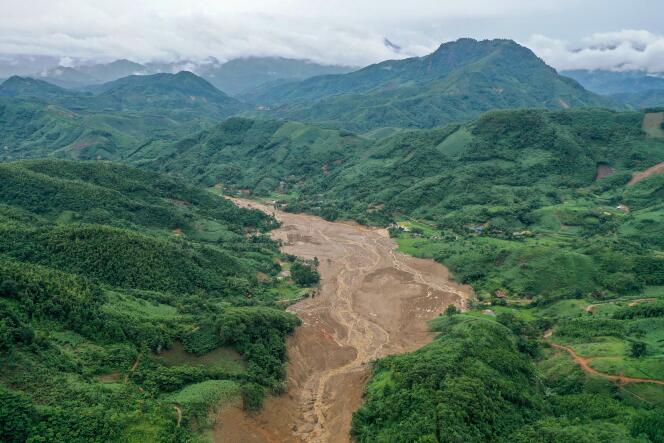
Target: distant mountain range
{"x": 636, "y": 89}
{"x": 232, "y": 77}
{"x": 606, "y": 82}
{"x": 183, "y": 95}
{"x": 457, "y": 82}
{"x": 16, "y": 86}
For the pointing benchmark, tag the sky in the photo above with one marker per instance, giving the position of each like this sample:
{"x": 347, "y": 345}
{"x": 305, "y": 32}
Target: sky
{"x": 612, "y": 34}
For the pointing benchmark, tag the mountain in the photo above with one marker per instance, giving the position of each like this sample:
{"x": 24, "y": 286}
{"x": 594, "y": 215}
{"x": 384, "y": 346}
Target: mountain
{"x": 650, "y": 98}
{"x": 234, "y": 76}
{"x": 29, "y": 87}
{"x": 457, "y": 82}
{"x": 181, "y": 93}
{"x": 136, "y": 112}
{"x": 616, "y": 82}
{"x": 66, "y": 77}
{"x": 242, "y": 75}
{"x": 107, "y": 72}
{"x": 126, "y": 297}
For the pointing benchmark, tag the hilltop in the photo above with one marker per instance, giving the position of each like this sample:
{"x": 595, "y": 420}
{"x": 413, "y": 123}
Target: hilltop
{"x": 29, "y": 87}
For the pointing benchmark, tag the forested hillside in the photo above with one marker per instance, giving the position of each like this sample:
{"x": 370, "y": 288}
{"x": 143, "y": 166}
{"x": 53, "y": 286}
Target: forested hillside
{"x": 510, "y": 175}
{"x": 120, "y": 118}
{"x": 455, "y": 83}
{"x": 133, "y": 305}
{"x": 263, "y": 156}
{"x": 33, "y": 128}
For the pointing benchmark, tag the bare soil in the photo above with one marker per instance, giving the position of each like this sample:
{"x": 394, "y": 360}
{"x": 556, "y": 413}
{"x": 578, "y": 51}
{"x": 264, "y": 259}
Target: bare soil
{"x": 602, "y": 171}
{"x": 373, "y": 302}
{"x": 640, "y": 176}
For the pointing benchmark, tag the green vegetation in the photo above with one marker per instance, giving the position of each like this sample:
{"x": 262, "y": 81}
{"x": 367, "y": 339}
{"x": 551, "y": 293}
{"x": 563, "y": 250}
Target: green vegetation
{"x": 305, "y": 274}
{"x": 132, "y": 305}
{"x": 103, "y": 268}
{"x": 470, "y": 384}
{"x": 513, "y": 204}
{"x": 477, "y": 382}
{"x": 455, "y": 83}
{"x": 121, "y": 119}
{"x": 457, "y": 389}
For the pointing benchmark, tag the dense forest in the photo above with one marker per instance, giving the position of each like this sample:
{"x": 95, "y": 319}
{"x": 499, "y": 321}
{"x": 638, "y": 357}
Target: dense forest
{"x": 128, "y": 298}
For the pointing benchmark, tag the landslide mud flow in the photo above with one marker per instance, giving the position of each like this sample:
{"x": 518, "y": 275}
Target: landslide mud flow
{"x": 373, "y": 302}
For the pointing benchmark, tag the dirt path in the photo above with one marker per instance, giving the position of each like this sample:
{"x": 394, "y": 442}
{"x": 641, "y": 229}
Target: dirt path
{"x": 178, "y": 411}
{"x": 585, "y": 366}
{"x": 640, "y": 176}
{"x": 373, "y": 302}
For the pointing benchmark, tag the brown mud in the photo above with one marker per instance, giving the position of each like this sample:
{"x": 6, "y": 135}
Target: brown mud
{"x": 372, "y": 302}
{"x": 642, "y": 175}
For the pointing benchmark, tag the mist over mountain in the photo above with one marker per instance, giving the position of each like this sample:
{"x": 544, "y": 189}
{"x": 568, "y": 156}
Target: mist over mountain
{"x": 607, "y": 82}
{"x": 233, "y": 77}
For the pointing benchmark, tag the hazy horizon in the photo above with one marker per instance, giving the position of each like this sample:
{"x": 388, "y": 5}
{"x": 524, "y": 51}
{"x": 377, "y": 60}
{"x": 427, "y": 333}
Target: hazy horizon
{"x": 596, "y": 35}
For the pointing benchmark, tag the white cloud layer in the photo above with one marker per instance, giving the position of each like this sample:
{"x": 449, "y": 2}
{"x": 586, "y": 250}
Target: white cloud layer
{"x": 351, "y": 32}
{"x": 623, "y": 50}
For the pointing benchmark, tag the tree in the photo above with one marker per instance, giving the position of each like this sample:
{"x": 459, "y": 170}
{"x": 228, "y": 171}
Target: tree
{"x": 252, "y": 396}
{"x": 304, "y": 274}
{"x": 637, "y": 349}
{"x": 451, "y": 310}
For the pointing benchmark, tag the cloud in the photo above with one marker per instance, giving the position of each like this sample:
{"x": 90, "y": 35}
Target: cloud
{"x": 342, "y": 31}
{"x": 351, "y": 32}
{"x": 622, "y": 50}
{"x": 66, "y": 62}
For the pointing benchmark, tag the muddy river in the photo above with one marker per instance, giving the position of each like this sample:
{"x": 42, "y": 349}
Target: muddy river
{"x": 373, "y": 302}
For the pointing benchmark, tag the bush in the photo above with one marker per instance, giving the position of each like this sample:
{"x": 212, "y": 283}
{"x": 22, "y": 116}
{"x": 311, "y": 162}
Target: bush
{"x": 304, "y": 274}
{"x": 451, "y": 310}
{"x": 637, "y": 349}
{"x": 252, "y": 396}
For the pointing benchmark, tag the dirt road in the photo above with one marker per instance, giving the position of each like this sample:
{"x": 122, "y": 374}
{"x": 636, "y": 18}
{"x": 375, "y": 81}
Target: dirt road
{"x": 373, "y": 302}
{"x": 584, "y": 363}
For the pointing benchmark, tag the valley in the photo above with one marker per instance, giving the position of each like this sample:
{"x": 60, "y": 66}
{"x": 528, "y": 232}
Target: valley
{"x": 372, "y": 302}
{"x": 459, "y": 246}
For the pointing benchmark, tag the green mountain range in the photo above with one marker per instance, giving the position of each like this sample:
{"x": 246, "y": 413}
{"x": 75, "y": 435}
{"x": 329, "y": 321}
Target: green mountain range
{"x": 457, "y": 82}
{"x": 243, "y": 75}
